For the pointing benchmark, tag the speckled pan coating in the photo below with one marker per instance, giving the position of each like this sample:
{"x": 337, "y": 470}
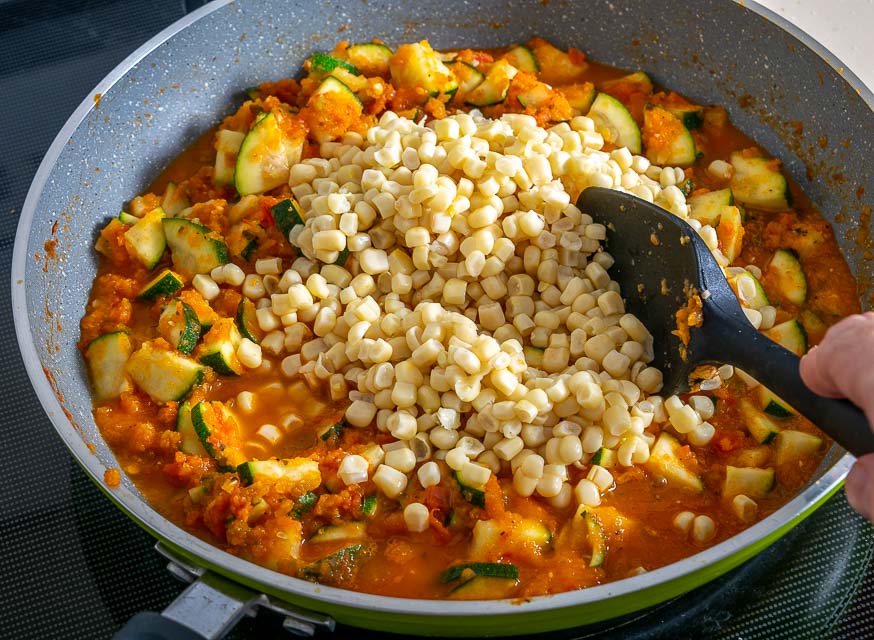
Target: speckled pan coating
{"x": 785, "y": 91}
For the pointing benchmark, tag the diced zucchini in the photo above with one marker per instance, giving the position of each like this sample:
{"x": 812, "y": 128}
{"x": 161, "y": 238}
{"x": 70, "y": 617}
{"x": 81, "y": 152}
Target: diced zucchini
{"x": 579, "y": 96}
{"x": 145, "y": 239}
{"x": 166, "y": 283}
{"x": 219, "y": 433}
{"x": 342, "y": 256}
{"x": 492, "y": 538}
{"x": 301, "y": 471}
{"x": 706, "y": 208}
{"x": 484, "y": 588}
{"x": 257, "y": 511}
{"x": 287, "y": 215}
{"x": 665, "y": 140}
{"x": 190, "y": 442}
{"x": 605, "y": 458}
{"x": 749, "y": 481}
{"x": 163, "y": 374}
{"x": 774, "y": 405}
{"x": 338, "y": 566}
{"x": 418, "y": 65}
{"x": 637, "y": 82}
{"x": 205, "y": 314}
{"x": 339, "y": 532}
{"x": 791, "y": 335}
{"x": 194, "y": 247}
{"x": 227, "y": 145}
{"x": 369, "y": 504}
{"x": 759, "y": 298}
{"x": 615, "y": 123}
{"x": 370, "y": 58}
{"x": 467, "y": 76}
{"x": 106, "y": 357}
{"x": 219, "y": 348}
{"x": 178, "y": 325}
{"x": 759, "y": 183}
{"x": 199, "y": 493}
{"x": 556, "y": 66}
{"x": 536, "y": 96}
{"x": 304, "y": 504}
{"x": 247, "y": 322}
{"x": 730, "y": 232}
{"x": 533, "y": 356}
{"x": 126, "y": 218}
{"x": 487, "y": 569}
{"x": 522, "y": 58}
{"x": 664, "y": 461}
{"x": 760, "y": 426}
{"x": 323, "y": 63}
{"x": 795, "y": 445}
{"x": 486, "y": 535}
{"x": 786, "y": 271}
{"x": 175, "y": 200}
{"x": 474, "y": 495}
{"x": 267, "y": 154}
{"x": 332, "y": 432}
{"x": 534, "y": 531}
{"x": 494, "y": 89}
{"x": 691, "y": 115}
{"x": 595, "y": 536}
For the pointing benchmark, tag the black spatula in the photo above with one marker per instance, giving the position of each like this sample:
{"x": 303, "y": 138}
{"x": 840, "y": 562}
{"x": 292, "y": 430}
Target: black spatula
{"x": 658, "y": 256}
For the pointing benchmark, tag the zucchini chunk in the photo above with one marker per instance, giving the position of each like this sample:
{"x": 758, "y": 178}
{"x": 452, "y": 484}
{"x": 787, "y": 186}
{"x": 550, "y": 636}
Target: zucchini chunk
{"x": 467, "y": 76}
{"x": 690, "y": 114}
{"x": 536, "y": 96}
{"x": 522, "y": 58}
{"x": 605, "y": 458}
{"x": 666, "y": 140}
{"x": 369, "y": 505}
{"x": 247, "y": 323}
{"x": 333, "y": 432}
{"x": 337, "y": 567}
{"x": 730, "y": 232}
{"x": 760, "y": 426}
{"x": 759, "y": 183}
{"x": 166, "y": 283}
{"x": 219, "y": 348}
{"x": 300, "y": 471}
{"x": 474, "y": 495}
{"x": 492, "y": 538}
{"x": 637, "y": 82}
{"x": 791, "y": 335}
{"x": 267, "y": 154}
{"x": 579, "y": 96}
{"x": 615, "y": 123}
{"x": 178, "y": 325}
{"x": 106, "y": 357}
{"x": 145, "y": 239}
{"x": 773, "y": 404}
{"x": 495, "y": 87}
{"x": 219, "y": 433}
{"x": 194, "y": 247}
{"x": 205, "y": 314}
{"x": 786, "y": 271}
{"x": 163, "y": 374}
{"x": 287, "y": 214}
{"x": 487, "y": 569}
{"x": 339, "y": 532}
{"x": 127, "y": 218}
{"x": 418, "y": 65}
{"x": 484, "y": 588}
{"x": 556, "y": 66}
{"x": 370, "y": 58}
{"x": 227, "y": 146}
{"x": 706, "y": 208}
{"x": 174, "y": 200}
{"x": 795, "y": 445}
{"x": 595, "y": 536}
{"x": 749, "y": 481}
{"x": 664, "y": 461}
{"x": 759, "y": 298}
{"x": 190, "y": 442}
{"x": 324, "y": 63}
{"x": 304, "y": 504}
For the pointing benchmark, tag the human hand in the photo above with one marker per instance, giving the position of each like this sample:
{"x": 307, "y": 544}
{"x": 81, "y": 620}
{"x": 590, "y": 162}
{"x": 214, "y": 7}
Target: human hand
{"x": 842, "y": 366}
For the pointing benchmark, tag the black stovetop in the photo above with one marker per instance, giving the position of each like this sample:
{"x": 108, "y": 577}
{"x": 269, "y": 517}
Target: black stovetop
{"x": 73, "y": 566}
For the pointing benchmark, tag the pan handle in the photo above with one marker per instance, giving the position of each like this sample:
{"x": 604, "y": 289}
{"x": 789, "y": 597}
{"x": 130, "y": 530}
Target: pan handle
{"x": 211, "y": 606}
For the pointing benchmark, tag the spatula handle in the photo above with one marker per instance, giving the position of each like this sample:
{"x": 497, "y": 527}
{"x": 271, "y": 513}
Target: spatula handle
{"x": 778, "y": 369}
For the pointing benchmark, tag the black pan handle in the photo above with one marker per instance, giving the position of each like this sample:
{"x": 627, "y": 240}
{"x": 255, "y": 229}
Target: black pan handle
{"x": 148, "y": 625}
{"x": 738, "y": 343}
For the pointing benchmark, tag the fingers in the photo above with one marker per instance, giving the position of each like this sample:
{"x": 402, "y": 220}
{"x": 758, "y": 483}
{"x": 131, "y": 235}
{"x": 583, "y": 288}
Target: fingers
{"x": 860, "y": 490}
{"x": 816, "y": 377}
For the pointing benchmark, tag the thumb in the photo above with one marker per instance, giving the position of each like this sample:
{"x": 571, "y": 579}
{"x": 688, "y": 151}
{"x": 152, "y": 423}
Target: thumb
{"x": 859, "y": 486}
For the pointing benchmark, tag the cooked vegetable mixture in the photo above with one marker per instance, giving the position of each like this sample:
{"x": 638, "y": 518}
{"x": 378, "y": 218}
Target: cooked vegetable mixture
{"x": 361, "y": 334}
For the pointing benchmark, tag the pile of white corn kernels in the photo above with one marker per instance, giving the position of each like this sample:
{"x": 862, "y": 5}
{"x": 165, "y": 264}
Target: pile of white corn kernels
{"x": 474, "y": 319}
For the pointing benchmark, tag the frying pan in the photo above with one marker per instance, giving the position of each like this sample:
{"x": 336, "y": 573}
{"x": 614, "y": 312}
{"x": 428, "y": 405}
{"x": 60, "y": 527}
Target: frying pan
{"x": 780, "y": 86}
